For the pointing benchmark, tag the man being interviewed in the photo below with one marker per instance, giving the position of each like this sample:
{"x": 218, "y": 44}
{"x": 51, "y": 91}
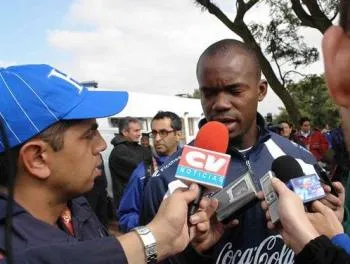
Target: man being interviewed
{"x": 228, "y": 74}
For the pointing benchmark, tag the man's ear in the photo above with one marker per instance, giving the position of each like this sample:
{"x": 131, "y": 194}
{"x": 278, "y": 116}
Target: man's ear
{"x": 124, "y": 131}
{"x": 34, "y": 155}
{"x": 179, "y": 135}
{"x": 262, "y": 90}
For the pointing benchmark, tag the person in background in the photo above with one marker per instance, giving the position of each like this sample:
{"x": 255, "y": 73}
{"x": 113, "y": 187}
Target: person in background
{"x": 126, "y": 155}
{"x": 166, "y": 133}
{"x": 341, "y": 161}
{"x": 313, "y": 140}
{"x": 286, "y": 129}
{"x": 145, "y": 140}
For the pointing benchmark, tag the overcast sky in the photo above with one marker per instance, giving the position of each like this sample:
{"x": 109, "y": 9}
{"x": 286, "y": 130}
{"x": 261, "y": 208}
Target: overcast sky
{"x": 136, "y": 45}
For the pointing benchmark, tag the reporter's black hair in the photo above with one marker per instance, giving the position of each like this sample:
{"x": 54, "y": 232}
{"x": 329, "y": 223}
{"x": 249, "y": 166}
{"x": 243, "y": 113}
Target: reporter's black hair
{"x": 10, "y": 171}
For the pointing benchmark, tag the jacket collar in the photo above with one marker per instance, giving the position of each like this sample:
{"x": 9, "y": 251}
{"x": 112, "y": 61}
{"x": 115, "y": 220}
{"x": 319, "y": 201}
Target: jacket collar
{"x": 161, "y": 159}
{"x": 17, "y": 209}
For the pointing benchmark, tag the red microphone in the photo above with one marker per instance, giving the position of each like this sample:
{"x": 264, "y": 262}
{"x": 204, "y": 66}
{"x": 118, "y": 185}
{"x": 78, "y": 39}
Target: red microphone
{"x": 205, "y": 163}
{"x": 212, "y": 136}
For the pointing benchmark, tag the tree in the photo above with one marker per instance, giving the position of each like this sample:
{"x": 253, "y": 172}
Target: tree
{"x": 279, "y": 46}
{"x": 196, "y": 94}
{"x": 312, "y": 98}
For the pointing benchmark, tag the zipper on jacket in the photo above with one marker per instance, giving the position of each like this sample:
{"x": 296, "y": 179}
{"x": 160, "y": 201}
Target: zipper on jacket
{"x": 246, "y": 160}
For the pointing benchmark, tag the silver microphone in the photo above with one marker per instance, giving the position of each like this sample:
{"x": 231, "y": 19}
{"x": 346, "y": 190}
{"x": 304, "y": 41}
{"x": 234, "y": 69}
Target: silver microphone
{"x": 270, "y": 195}
{"x": 235, "y": 196}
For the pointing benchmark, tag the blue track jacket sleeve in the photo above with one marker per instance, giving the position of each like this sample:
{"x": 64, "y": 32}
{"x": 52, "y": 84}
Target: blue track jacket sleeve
{"x": 154, "y": 190}
{"x": 130, "y": 204}
{"x": 342, "y": 240}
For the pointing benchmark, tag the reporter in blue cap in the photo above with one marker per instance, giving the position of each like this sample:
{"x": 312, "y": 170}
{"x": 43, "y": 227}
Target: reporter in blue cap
{"x": 50, "y": 122}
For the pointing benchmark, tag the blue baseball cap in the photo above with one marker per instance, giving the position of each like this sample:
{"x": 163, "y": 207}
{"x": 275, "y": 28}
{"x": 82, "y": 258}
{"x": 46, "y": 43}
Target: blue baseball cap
{"x": 34, "y": 97}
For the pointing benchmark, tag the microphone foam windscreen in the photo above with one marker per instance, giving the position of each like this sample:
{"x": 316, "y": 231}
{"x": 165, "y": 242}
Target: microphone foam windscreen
{"x": 286, "y": 168}
{"x": 212, "y": 136}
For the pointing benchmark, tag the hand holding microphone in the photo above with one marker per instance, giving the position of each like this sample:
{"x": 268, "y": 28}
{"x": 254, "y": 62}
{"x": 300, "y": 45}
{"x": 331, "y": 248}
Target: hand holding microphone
{"x": 205, "y": 164}
{"x": 309, "y": 187}
{"x": 298, "y": 227}
{"x": 295, "y": 227}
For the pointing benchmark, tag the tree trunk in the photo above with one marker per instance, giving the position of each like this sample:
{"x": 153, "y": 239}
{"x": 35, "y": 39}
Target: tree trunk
{"x": 239, "y": 27}
{"x": 317, "y": 18}
{"x": 243, "y": 31}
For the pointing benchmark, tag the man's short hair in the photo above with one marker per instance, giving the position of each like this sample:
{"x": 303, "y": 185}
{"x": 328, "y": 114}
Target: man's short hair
{"x": 176, "y": 123}
{"x": 230, "y": 46}
{"x": 124, "y": 123}
{"x": 304, "y": 119}
{"x": 287, "y": 122}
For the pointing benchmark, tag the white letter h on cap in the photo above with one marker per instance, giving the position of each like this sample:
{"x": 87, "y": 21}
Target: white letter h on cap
{"x": 66, "y": 78}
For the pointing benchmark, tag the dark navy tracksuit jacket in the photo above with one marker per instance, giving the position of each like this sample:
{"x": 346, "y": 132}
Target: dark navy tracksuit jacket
{"x": 35, "y": 241}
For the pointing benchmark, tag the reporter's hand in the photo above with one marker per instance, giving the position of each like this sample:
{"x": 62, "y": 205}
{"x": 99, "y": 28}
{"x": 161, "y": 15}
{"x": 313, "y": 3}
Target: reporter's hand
{"x": 170, "y": 226}
{"x": 324, "y": 220}
{"x": 336, "y": 53}
{"x": 205, "y": 229}
{"x": 295, "y": 227}
{"x": 333, "y": 202}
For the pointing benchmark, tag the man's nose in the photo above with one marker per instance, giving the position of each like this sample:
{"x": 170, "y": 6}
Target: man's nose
{"x": 157, "y": 137}
{"x": 101, "y": 143}
{"x": 222, "y": 102}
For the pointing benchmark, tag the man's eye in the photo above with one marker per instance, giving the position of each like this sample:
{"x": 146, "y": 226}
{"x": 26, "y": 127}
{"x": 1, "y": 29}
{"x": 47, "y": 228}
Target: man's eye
{"x": 91, "y": 134}
{"x": 163, "y": 133}
{"x": 235, "y": 91}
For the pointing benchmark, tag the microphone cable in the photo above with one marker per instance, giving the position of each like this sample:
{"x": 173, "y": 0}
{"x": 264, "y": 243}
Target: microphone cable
{"x": 10, "y": 171}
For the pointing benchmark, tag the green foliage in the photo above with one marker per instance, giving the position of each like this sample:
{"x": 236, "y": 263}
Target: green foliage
{"x": 281, "y": 38}
{"x": 282, "y": 116}
{"x": 312, "y": 98}
{"x": 196, "y": 94}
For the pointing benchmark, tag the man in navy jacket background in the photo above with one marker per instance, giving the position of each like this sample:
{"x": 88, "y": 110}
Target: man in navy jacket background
{"x": 166, "y": 133}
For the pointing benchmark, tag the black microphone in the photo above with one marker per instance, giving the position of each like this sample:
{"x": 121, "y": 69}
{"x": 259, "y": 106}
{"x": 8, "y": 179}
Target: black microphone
{"x": 286, "y": 168}
{"x": 307, "y": 187}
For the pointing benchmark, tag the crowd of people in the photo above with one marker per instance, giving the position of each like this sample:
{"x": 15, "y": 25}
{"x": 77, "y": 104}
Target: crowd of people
{"x": 50, "y": 156}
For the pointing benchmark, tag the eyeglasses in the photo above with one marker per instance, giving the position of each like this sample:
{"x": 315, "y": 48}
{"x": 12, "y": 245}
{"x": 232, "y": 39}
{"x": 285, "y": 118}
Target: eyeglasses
{"x": 162, "y": 133}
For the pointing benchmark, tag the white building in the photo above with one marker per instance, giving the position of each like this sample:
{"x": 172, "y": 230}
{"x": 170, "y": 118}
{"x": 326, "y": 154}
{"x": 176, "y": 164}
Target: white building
{"x": 144, "y": 106}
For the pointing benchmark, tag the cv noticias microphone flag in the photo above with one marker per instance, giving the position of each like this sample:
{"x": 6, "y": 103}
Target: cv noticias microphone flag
{"x": 205, "y": 163}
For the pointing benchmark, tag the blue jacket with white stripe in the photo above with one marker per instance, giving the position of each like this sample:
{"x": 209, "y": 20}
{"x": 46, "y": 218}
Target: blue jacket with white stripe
{"x": 251, "y": 241}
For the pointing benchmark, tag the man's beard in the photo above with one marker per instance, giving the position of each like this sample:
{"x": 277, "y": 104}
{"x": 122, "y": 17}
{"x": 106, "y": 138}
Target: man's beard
{"x": 236, "y": 141}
